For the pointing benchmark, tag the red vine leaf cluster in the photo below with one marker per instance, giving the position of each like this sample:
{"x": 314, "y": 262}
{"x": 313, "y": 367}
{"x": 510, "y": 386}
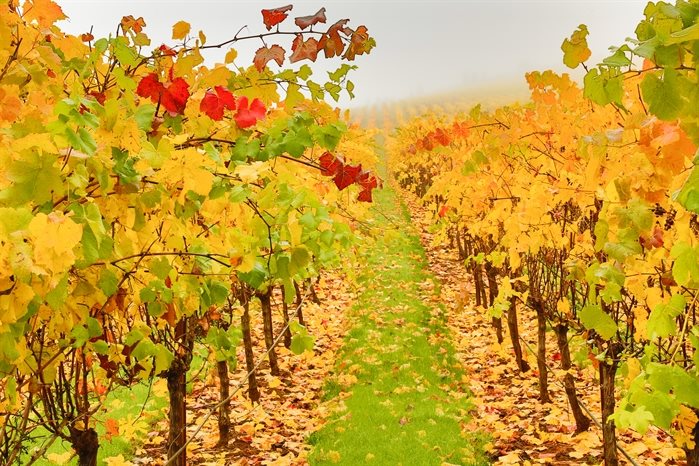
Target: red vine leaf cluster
{"x": 338, "y": 40}
{"x": 173, "y": 97}
{"x": 345, "y": 175}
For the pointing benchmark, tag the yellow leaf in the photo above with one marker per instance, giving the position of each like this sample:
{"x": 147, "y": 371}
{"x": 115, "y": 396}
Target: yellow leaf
{"x": 334, "y": 456}
{"x": 202, "y": 38}
{"x": 274, "y": 382}
{"x": 200, "y": 181}
{"x": 60, "y": 458}
{"x": 117, "y": 461}
{"x": 231, "y": 55}
{"x": 54, "y": 236}
{"x": 180, "y": 30}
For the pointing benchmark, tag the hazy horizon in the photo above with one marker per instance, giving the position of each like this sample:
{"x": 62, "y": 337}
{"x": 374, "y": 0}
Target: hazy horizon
{"x": 423, "y": 49}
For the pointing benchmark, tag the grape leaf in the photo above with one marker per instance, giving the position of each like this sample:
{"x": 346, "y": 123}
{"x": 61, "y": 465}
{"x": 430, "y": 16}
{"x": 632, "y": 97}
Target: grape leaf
{"x": 180, "y": 30}
{"x": 215, "y": 102}
{"x": 575, "y": 49}
{"x": 249, "y": 115}
{"x": 129, "y": 23}
{"x": 304, "y": 49}
{"x": 265, "y": 54}
{"x": 329, "y": 164}
{"x": 365, "y": 196}
{"x": 275, "y": 16}
{"x": 346, "y": 175}
{"x": 331, "y": 42}
{"x": 360, "y": 43}
{"x": 594, "y": 318}
{"x": 45, "y": 12}
{"x": 305, "y": 21}
{"x": 663, "y": 95}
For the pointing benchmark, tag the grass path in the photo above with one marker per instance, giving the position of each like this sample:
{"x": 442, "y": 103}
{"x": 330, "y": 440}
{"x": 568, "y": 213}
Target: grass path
{"x": 398, "y": 395}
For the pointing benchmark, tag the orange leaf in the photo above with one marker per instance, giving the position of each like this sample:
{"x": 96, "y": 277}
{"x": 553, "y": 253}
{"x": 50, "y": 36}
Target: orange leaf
{"x": 265, "y": 54}
{"x": 275, "y": 16}
{"x": 129, "y": 23}
{"x": 304, "y": 49}
{"x": 331, "y": 42}
{"x": 360, "y": 43}
{"x": 305, "y": 21}
{"x": 111, "y": 427}
{"x": 45, "y": 12}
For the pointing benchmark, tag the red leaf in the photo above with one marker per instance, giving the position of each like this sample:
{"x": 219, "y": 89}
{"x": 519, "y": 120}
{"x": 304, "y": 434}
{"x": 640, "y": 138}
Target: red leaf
{"x": 265, "y": 54}
{"x": 304, "y": 49}
{"x": 87, "y": 37}
{"x": 329, "y": 164}
{"x": 365, "y": 196}
{"x": 367, "y": 180}
{"x": 346, "y": 175}
{"x": 248, "y": 116}
{"x": 99, "y": 96}
{"x": 443, "y": 211}
{"x": 150, "y": 87}
{"x": 656, "y": 239}
{"x": 275, "y": 16}
{"x": 214, "y": 103}
{"x": 442, "y": 137}
{"x": 167, "y": 51}
{"x": 305, "y": 21}
{"x": 175, "y": 96}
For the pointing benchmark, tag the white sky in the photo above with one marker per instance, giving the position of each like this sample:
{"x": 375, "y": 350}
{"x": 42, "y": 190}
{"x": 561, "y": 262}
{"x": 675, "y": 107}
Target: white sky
{"x": 422, "y": 48}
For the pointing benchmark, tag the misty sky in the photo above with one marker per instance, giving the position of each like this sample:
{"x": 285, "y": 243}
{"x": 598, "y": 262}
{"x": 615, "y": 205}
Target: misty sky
{"x": 423, "y": 47}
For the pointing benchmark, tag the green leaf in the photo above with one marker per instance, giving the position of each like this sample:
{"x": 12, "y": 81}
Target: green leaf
{"x": 594, "y": 318}
{"x": 688, "y": 196}
{"x": 604, "y": 86}
{"x": 8, "y": 347}
{"x": 674, "y": 380}
{"x": 143, "y": 116}
{"x": 685, "y": 269}
{"x": 619, "y": 57}
{"x": 661, "y": 322}
{"x": 108, "y": 282}
{"x": 660, "y": 405}
{"x": 160, "y": 267}
{"x": 639, "y": 419}
{"x": 328, "y": 136}
{"x": 663, "y": 94}
{"x": 34, "y": 178}
{"x": 300, "y": 340}
{"x": 57, "y": 297}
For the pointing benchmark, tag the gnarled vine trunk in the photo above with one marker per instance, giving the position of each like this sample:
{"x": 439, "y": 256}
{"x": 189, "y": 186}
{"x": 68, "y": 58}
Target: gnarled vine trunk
{"x": 86, "y": 444}
{"x": 224, "y": 411}
{"x": 582, "y": 422}
{"x": 266, "y": 303}
{"x": 253, "y": 391}
{"x": 514, "y": 335}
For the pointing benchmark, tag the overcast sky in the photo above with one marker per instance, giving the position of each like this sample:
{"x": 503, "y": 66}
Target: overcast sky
{"x": 423, "y": 47}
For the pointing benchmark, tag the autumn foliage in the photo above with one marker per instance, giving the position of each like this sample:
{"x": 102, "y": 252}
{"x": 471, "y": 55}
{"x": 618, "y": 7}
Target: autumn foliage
{"x": 579, "y": 208}
{"x": 146, "y": 194}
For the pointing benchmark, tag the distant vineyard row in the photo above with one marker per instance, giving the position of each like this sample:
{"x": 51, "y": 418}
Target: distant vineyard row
{"x": 582, "y": 206}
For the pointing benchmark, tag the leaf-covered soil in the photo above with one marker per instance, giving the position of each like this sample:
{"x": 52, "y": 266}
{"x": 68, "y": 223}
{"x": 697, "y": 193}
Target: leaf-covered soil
{"x": 274, "y": 431}
{"x": 523, "y": 430}
{"x": 398, "y": 395}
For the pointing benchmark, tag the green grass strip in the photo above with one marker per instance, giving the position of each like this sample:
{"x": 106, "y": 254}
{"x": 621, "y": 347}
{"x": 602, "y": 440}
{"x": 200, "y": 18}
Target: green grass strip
{"x": 398, "y": 393}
